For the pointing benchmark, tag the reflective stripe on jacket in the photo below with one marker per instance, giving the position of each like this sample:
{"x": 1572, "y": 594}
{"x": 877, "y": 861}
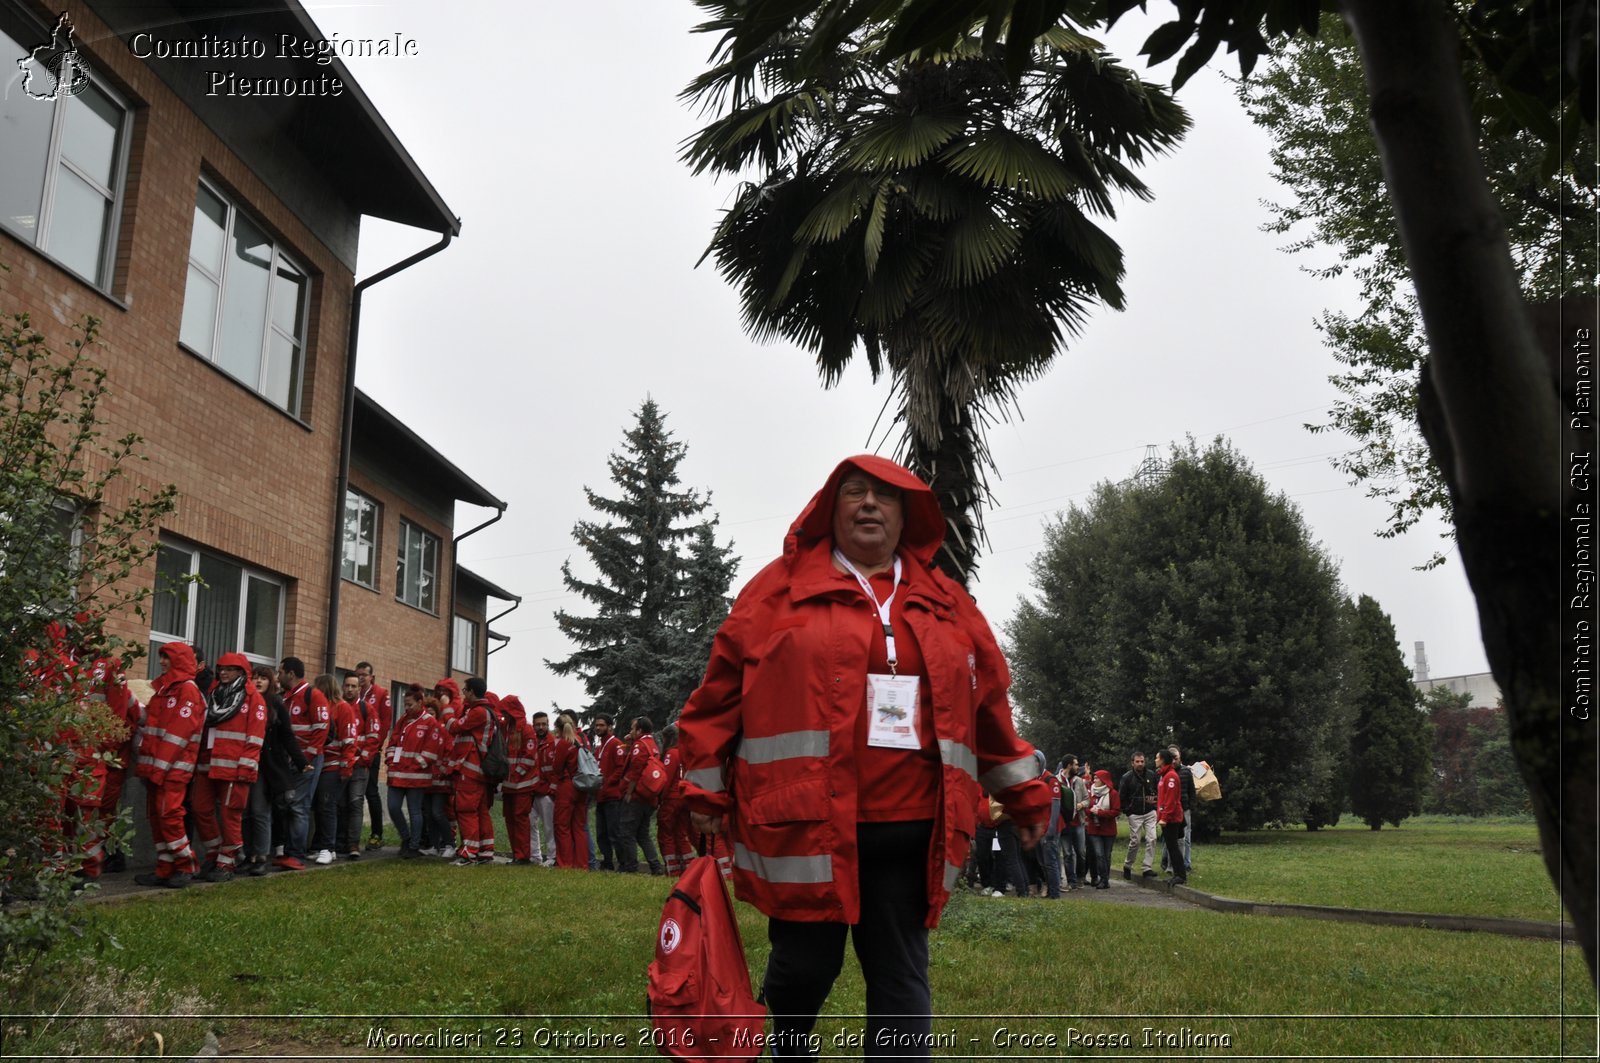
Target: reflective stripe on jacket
{"x": 233, "y": 748}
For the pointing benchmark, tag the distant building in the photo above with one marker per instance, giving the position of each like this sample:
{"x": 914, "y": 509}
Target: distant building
{"x": 1481, "y": 686}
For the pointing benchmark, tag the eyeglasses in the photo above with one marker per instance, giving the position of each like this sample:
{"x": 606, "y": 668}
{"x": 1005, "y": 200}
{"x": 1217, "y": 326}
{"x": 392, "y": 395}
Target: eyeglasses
{"x": 856, "y": 490}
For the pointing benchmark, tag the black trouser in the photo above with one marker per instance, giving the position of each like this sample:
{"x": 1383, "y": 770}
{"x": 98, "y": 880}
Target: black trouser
{"x": 375, "y": 804}
{"x": 632, "y": 833}
{"x": 891, "y": 944}
{"x": 1008, "y": 866}
{"x": 1172, "y": 839}
{"x": 605, "y": 827}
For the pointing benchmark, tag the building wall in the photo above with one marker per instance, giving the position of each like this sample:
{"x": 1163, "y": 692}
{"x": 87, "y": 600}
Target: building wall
{"x": 403, "y": 643}
{"x": 1481, "y": 685}
{"x": 255, "y": 483}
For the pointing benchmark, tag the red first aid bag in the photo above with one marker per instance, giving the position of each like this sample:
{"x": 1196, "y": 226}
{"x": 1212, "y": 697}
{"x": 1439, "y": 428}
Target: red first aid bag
{"x": 652, "y": 781}
{"x": 699, "y": 999}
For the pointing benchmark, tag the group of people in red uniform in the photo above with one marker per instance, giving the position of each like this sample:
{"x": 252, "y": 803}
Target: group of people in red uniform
{"x": 245, "y": 757}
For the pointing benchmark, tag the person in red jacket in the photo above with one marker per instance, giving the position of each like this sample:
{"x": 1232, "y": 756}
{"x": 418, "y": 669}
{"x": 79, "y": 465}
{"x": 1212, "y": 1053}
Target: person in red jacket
{"x": 169, "y": 746}
{"x": 612, "y": 753}
{"x": 230, "y": 755}
{"x": 364, "y": 745}
{"x": 338, "y": 764}
{"x": 854, "y": 702}
{"x": 516, "y": 792}
{"x": 374, "y": 703}
{"x": 571, "y": 804}
{"x": 437, "y": 827}
{"x": 448, "y": 694}
{"x": 411, "y": 755}
{"x": 543, "y": 793}
{"x": 473, "y": 793}
{"x": 1169, "y": 813}
{"x": 672, "y": 816}
{"x": 309, "y": 715}
{"x": 1100, "y": 826}
{"x": 634, "y": 812}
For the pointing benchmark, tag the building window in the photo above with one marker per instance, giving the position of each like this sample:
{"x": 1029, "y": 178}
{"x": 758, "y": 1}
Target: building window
{"x": 216, "y": 604}
{"x": 63, "y": 162}
{"x": 464, "y": 646}
{"x": 361, "y": 517}
{"x": 416, "y": 568}
{"x": 244, "y": 306}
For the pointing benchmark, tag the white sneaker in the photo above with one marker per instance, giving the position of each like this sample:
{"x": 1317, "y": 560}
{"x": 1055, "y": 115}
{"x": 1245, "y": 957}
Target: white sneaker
{"x": 448, "y": 852}
{"x": 996, "y": 893}
{"x": 428, "y": 852}
{"x": 324, "y": 857}
{"x": 549, "y": 863}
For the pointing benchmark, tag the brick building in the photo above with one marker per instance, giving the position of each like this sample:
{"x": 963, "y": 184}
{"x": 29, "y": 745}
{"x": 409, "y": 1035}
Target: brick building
{"x": 215, "y": 235}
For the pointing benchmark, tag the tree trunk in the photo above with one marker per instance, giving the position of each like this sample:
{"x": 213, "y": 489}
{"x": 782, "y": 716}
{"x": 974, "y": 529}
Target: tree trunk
{"x": 1491, "y": 412}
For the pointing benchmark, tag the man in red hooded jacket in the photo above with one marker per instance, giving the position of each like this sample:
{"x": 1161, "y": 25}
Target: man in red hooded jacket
{"x": 169, "y": 746}
{"x": 473, "y": 793}
{"x": 854, "y": 702}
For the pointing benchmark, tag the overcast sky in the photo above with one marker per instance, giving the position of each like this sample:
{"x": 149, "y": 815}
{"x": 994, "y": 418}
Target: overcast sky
{"x": 523, "y": 350}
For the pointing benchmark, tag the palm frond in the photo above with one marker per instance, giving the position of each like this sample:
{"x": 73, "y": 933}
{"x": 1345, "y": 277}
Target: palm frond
{"x": 899, "y": 141}
{"x": 1003, "y": 158}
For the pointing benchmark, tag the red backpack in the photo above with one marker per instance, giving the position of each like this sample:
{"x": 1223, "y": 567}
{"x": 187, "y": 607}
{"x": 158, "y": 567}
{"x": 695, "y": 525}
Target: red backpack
{"x": 652, "y": 781}
{"x": 699, "y": 999}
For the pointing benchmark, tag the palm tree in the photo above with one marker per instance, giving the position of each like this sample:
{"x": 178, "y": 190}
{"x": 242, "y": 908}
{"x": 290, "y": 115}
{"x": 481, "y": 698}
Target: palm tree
{"x": 934, "y": 210}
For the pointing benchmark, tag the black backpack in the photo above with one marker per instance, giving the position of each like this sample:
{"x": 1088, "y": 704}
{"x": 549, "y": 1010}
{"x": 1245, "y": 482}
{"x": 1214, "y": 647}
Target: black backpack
{"x": 496, "y": 763}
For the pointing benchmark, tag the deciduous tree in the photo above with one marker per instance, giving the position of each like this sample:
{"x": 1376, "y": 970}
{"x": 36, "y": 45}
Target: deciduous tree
{"x": 1196, "y": 610}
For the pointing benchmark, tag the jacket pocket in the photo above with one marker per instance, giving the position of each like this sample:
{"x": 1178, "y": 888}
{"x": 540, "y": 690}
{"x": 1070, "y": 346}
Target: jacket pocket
{"x": 805, "y": 800}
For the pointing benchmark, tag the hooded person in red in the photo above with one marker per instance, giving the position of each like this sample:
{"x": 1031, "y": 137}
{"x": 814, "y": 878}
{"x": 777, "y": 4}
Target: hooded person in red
{"x": 854, "y": 702}
{"x": 473, "y": 793}
{"x": 169, "y": 747}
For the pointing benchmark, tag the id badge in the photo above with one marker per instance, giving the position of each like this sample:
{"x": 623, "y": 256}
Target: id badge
{"x": 892, "y": 711}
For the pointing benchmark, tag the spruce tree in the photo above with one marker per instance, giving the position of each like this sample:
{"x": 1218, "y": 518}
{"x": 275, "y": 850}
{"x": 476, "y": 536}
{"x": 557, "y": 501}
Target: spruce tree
{"x": 631, "y": 654}
{"x": 1391, "y": 744}
{"x": 703, "y": 605}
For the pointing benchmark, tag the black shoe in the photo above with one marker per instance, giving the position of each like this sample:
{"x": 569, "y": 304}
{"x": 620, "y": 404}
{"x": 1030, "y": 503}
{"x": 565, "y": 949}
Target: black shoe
{"x": 149, "y": 878}
{"x": 178, "y": 882}
{"x": 352, "y": 855}
{"x": 1127, "y": 874}
{"x": 256, "y": 869}
{"x": 409, "y": 854}
{"x": 217, "y": 874}
{"x": 1103, "y": 886}
{"x": 1179, "y": 881}
{"x": 522, "y": 861}
{"x": 1147, "y": 874}
{"x": 116, "y": 862}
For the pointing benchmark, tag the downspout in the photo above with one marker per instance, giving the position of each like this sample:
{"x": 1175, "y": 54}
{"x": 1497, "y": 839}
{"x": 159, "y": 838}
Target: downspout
{"x": 505, "y": 639}
{"x": 347, "y": 434}
{"x": 455, "y": 578}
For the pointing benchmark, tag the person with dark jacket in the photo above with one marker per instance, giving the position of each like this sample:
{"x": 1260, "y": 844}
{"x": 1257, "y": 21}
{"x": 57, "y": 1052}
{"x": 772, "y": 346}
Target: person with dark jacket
{"x": 282, "y": 766}
{"x": 1137, "y": 792}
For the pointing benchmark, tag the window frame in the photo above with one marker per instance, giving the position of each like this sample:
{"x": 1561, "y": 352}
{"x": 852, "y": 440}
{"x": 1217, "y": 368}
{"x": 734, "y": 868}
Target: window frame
{"x": 13, "y": 22}
{"x": 456, "y": 641}
{"x": 280, "y": 257}
{"x": 377, "y": 541}
{"x": 402, "y": 577}
{"x": 158, "y": 638}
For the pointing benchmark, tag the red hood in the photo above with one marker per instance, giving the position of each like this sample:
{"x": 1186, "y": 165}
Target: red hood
{"x": 924, "y": 527}
{"x": 1103, "y": 776}
{"x": 234, "y": 660}
{"x": 179, "y": 657}
{"x": 453, "y": 688}
{"x": 511, "y": 705}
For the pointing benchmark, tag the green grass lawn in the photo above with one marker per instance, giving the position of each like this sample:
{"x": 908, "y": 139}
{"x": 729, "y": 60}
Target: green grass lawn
{"x": 540, "y": 955}
{"x": 1430, "y": 864}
